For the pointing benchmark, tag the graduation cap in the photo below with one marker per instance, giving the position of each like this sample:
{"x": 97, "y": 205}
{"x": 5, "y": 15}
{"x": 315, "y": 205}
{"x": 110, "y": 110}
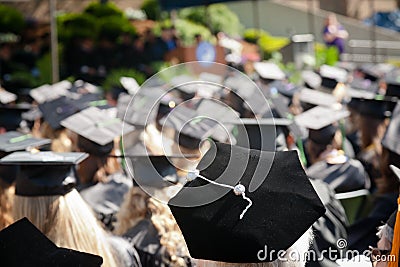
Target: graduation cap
{"x": 11, "y": 116}
{"x": 186, "y": 85}
{"x": 379, "y": 107}
{"x": 392, "y": 80}
{"x": 331, "y": 76}
{"x": 57, "y": 110}
{"x": 211, "y": 77}
{"x": 391, "y": 139}
{"x": 311, "y": 79}
{"x": 269, "y": 71}
{"x": 259, "y": 133}
{"x": 151, "y": 170}
{"x": 364, "y": 85}
{"x": 225, "y": 226}
{"x": 83, "y": 87}
{"x": 190, "y": 127}
{"x": 44, "y": 173}
{"x": 15, "y": 141}
{"x": 317, "y": 98}
{"x": 284, "y": 88}
{"x": 130, "y": 84}
{"x": 247, "y": 94}
{"x": 31, "y": 115}
{"x": 319, "y": 121}
{"x": 23, "y": 245}
{"x": 48, "y": 92}
{"x": 374, "y": 72}
{"x": 141, "y": 109}
{"x": 96, "y": 130}
{"x": 7, "y": 97}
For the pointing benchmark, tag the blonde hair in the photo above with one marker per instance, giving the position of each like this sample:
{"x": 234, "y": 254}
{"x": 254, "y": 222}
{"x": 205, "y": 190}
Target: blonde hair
{"x": 138, "y": 205}
{"x": 6, "y": 200}
{"x": 299, "y": 248}
{"x": 67, "y": 221}
{"x": 60, "y": 139}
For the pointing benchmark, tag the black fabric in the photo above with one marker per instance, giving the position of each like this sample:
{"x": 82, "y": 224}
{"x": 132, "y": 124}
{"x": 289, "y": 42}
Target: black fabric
{"x": 284, "y": 206}
{"x": 94, "y": 149}
{"x": 23, "y": 245}
{"x": 11, "y": 116}
{"x": 346, "y": 177}
{"x": 391, "y": 140}
{"x": 322, "y": 136}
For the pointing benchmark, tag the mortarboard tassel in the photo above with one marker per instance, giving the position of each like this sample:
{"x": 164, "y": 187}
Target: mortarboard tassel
{"x": 396, "y": 239}
{"x": 239, "y": 189}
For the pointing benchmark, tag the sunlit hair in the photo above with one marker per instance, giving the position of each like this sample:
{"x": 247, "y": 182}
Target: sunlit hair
{"x": 138, "y": 205}
{"x": 60, "y": 140}
{"x": 299, "y": 248}
{"x": 67, "y": 221}
{"x": 6, "y": 200}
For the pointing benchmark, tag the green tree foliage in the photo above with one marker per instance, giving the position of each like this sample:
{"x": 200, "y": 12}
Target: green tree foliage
{"x": 152, "y": 9}
{"x": 112, "y": 27}
{"x": 217, "y": 17}
{"x": 77, "y": 26}
{"x": 11, "y": 20}
{"x": 100, "y": 10}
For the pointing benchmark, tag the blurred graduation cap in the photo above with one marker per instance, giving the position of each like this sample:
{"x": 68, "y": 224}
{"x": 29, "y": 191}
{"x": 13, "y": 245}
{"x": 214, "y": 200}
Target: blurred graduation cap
{"x": 96, "y": 130}
{"x": 374, "y": 72}
{"x": 379, "y": 107}
{"x": 331, "y": 76}
{"x": 392, "y": 80}
{"x": 269, "y": 71}
{"x": 7, "y": 97}
{"x": 57, "y": 110}
{"x": 15, "y": 141}
{"x": 247, "y": 94}
{"x": 259, "y": 134}
{"x": 284, "y": 88}
{"x": 317, "y": 98}
{"x": 391, "y": 139}
{"x": 186, "y": 85}
{"x": 320, "y": 123}
{"x": 11, "y": 116}
{"x": 364, "y": 85}
{"x": 228, "y": 228}
{"x": 190, "y": 127}
{"x": 311, "y": 79}
{"x": 130, "y": 84}
{"x": 23, "y": 245}
{"x": 211, "y": 77}
{"x": 48, "y": 92}
{"x": 44, "y": 173}
{"x": 142, "y": 108}
{"x": 151, "y": 170}
{"x": 83, "y": 87}
{"x": 32, "y": 114}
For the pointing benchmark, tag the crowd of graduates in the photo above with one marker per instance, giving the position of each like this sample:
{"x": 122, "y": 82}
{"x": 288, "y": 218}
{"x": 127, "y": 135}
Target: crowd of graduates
{"x": 116, "y": 176}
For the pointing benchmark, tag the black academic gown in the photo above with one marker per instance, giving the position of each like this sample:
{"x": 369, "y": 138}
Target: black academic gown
{"x": 106, "y": 198}
{"x": 342, "y": 177}
{"x": 145, "y": 238}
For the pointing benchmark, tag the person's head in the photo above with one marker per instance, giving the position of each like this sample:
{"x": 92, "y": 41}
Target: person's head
{"x": 166, "y": 34}
{"x": 138, "y": 205}
{"x": 389, "y": 181}
{"x": 320, "y": 141}
{"x": 6, "y": 200}
{"x": 198, "y": 38}
{"x": 371, "y": 130}
{"x": 45, "y": 194}
{"x": 331, "y": 19}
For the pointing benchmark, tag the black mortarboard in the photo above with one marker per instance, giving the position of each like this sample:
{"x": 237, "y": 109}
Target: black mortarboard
{"x": 31, "y": 115}
{"x": 140, "y": 109}
{"x": 57, "y": 110}
{"x": 379, "y": 107}
{"x": 319, "y": 121}
{"x": 284, "y": 88}
{"x": 249, "y": 95}
{"x": 311, "y": 79}
{"x": 23, "y": 245}
{"x": 317, "y": 98}
{"x": 374, "y": 72}
{"x": 151, "y": 170}
{"x": 259, "y": 133}
{"x": 331, "y": 76}
{"x": 11, "y": 116}
{"x": 393, "y": 83}
{"x": 15, "y": 141}
{"x": 96, "y": 130}
{"x": 391, "y": 139}
{"x": 48, "y": 92}
{"x": 190, "y": 127}
{"x": 269, "y": 71}
{"x": 221, "y": 225}
{"x": 44, "y": 173}
{"x": 7, "y": 97}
